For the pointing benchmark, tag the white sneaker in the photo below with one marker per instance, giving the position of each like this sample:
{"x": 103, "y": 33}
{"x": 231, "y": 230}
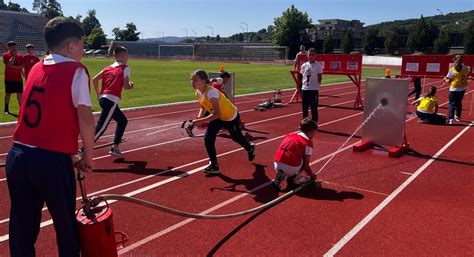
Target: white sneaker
{"x": 450, "y": 122}
{"x": 456, "y": 118}
{"x": 115, "y": 151}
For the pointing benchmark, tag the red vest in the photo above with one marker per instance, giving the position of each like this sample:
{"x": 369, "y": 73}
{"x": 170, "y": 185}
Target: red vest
{"x": 12, "y": 74}
{"x": 218, "y": 87}
{"x": 29, "y": 61}
{"x": 292, "y": 149}
{"x": 112, "y": 80}
{"x": 48, "y": 118}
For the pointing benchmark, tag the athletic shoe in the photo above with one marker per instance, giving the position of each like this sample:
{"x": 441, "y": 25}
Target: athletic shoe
{"x": 80, "y": 152}
{"x": 115, "y": 151}
{"x": 301, "y": 179}
{"x": 450, "y": 122}
{"x": 212, "y": 169}
{"x": 456, "y": 118}
{"x": 251, "y": 152}
{"x": 280, "y": 176}
{"x": 7, "y": 112}
{"x": 424, "y": 121}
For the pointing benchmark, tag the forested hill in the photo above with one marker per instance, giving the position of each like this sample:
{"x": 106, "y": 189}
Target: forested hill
{"x": 451, "y": 22}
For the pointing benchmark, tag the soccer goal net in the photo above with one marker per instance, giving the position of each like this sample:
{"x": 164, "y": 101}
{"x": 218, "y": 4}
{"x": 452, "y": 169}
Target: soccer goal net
{"x": 265, "y": 53}
{"x": 176, "y": 51}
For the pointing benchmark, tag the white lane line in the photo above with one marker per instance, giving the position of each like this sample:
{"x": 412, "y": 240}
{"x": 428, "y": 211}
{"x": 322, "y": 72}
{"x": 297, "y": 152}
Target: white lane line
{"x": 185, "y": 174}
{"x": 344, "y": 240}
{"x": 406, "y": 173}
{"x": 214, "y": 208}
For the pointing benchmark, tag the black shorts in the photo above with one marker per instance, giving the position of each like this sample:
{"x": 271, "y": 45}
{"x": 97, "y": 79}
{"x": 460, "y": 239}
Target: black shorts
{"x": 13, "y": 86}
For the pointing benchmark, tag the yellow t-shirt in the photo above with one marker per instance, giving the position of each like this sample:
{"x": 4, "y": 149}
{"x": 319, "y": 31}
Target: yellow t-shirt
{"x": 228, "y": 110}
{"x": 459, "y": 78}
{"x": 427, "y": 104}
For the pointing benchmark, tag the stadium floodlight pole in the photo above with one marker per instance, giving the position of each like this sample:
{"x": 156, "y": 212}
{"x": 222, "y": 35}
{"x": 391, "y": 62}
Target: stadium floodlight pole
{"x": 246, "y": 26}
{"x": 439, "y": 11}
{"x": 195, "y": 35}
{"x": 243, "y": 29}
{"x": 186, "y": 32}
{"x": 212, "y": 30}
{"x": 162, "y": 35}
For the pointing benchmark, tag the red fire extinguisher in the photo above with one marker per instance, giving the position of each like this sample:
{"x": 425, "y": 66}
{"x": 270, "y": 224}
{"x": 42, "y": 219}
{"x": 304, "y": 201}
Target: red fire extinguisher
{"x": 96, "y": 227}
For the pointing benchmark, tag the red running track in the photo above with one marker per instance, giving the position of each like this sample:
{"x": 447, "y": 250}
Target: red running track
{"x": 369, "y": 204}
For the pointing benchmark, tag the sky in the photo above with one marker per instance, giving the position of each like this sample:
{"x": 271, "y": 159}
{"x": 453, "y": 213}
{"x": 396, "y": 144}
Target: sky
{"x": 155, "y": 18}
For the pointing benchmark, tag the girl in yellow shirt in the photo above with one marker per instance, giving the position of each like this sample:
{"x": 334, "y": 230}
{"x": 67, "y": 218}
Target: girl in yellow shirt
{"x": 428, "y": 107}
{"x": 223, "y": 114}
{"x": 457, "y": 77}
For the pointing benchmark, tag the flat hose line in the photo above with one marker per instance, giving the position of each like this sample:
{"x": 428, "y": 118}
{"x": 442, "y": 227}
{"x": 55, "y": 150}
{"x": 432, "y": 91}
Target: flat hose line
{"x": 204, "y": 216}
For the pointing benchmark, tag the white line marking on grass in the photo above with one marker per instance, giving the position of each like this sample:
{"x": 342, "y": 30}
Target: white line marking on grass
{"x": 337, "y": 247}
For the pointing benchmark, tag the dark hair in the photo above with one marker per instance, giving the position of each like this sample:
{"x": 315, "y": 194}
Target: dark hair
{"x": 202, "y": 75}
{"x": 458, "y": 62}
{"x": 224, "y": 74}
{"x": 307, "y": 125}
{"x": 60, "y": 29}
{"x": 311, "y": 50}
{"x": 11, "y": 43}
{"x": 120, "y": 50}
{"x": 431, "y": 91}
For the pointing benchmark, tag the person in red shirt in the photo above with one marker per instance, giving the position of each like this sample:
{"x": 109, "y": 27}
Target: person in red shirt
{"x": 114, "y": 78}
{"x": 293, "y": 155}
{"x": 13, "y": 79}
{"x": 29, "y": 59}
{"x": 219, "y": 83}
{"x": 40, "y": 164}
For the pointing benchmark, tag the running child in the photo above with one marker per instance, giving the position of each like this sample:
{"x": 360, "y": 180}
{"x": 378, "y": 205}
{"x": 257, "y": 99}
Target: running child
{"x": 293, "y": 155}
{"x": 39, "y": 167}
{"x": 114, "y": 78}
{"x": 428, "y": 108}
{"x": 223, "y": 114}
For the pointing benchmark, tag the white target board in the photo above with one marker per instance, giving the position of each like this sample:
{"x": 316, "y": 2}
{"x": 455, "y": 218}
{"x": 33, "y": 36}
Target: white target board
{"x": 387, "y": 124}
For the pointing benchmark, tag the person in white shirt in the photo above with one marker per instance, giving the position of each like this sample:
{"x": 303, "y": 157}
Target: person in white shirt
{"x": 301, "y": 52}
{"x": 311, "y": 74}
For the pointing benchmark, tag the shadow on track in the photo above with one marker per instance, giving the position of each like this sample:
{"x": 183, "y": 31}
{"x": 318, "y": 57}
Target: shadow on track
{"x": 137, "y": 167}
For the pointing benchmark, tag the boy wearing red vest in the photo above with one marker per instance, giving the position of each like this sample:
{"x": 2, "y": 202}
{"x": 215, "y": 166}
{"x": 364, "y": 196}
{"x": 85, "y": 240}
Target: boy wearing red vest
{"x": 114, "y": 78}
{"x": 293, "y": 155}
{"x": 29, "y": 59}
{"x": 13, "y": 75}
{"x": 39, "y": 167}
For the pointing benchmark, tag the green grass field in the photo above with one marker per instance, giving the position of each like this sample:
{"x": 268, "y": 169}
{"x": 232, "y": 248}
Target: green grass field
{"x": 159, "y": 82}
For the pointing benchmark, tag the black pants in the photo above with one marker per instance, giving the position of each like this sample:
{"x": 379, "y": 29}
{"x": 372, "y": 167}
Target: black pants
{"x": 455, "y": 103}
{"x": 310, "y": 98}
{"x": 417, "y": 88}
{"x": 110, "y": 110}
{"x": 432, "y": 118}
{"x": 36, "y": 176}
{"x": 232, "y": 126}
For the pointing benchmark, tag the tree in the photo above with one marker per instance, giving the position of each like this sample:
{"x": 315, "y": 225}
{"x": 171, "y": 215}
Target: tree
{"x": 391, "y": 42}
{"x": 421, "y": 37}
{"x": 369, "y": 43}
{"x": 127, "y": 34}
{"x": 218, "y": 38}
{"x": 469, "y": 39}
{"x": 90, "y": 22}
{"x": 288, "y": 27}
{"x": 11, "y": 7}
{"x": 328, "y": 45}
{"x": 96, "y": 38}
{"x": 348, "y": 43}
{"x": 441, "y": 44}
{"x": 48, "y": 8}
